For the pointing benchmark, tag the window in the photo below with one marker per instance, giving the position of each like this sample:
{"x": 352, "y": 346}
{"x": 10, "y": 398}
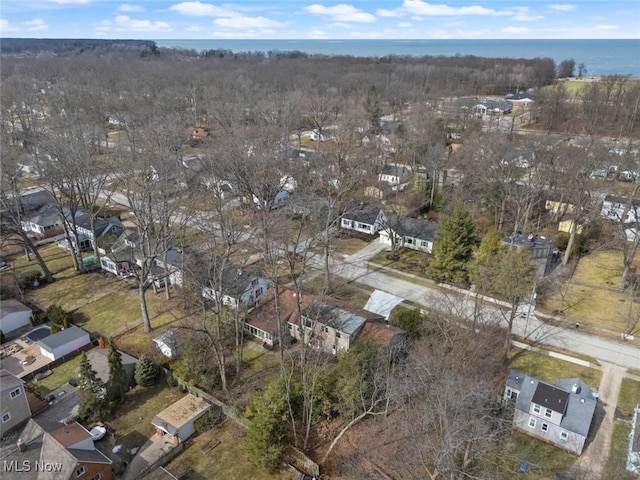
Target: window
{"x": 544, "y": 427}
{"x": 532, "y": 422}
{"x": 325, "y": 329}
{"x": 6, "y": 417}
{"x": 14, "y": 393}
{"x": 81, "y": 471}
{"x": 97, "y": 477}
{"x": 564, "y": 436}
{"x": 338, "y": 334}
{"x": 548, "y": 412}
{"x": 536, "y": 408}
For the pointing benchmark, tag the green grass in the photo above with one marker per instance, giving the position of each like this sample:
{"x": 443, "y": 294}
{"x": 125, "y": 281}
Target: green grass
{"x": 130, "y": 424}
{"x": 227, "y": 460}
{"x": 629, "y": 396}
{"x": 614, "y": 468}
{"x": 549, "y": 369}
{"x": 60, "y": 376}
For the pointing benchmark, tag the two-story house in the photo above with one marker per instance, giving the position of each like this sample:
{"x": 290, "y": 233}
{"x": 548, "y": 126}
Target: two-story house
{"x": 613, "y": 208}
{"x": 54, "y": 450}
{"x": 560, "y": 414}
{"x": 330, "y": 325}
{"x": 232, "y": 285}
{"x": 86, "y": 235}
{"x": 14, "y": 405}
{"x": 395, "y": 174}
{"x": 540, "y": 248}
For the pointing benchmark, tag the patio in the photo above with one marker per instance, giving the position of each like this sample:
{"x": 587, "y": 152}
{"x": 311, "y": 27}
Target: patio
{"x": 22, "y": 358}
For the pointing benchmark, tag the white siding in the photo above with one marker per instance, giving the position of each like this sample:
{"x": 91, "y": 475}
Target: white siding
{"x": 15, "y": 320}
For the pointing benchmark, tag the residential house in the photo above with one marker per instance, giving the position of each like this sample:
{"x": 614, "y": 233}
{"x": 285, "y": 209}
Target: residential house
{"x": 13, "y": 315}
{"x": 14, "y": 405}
{"x": 272, "y": 197}
{"x": 232, "y": 285}
{"x": 541, "y": 250}
{"x": 613, "y": 208}
{"x": 558, "y": 205}
{"x": 329, "y": 325}
{"x": 61, "y": 452}
{"x": 171, "y": 266}
{"x": 64, "y": 342}
{"x": 379, "y": 191}
{"x": 567, "y": 225}
{"x": 490, "y": 107}
{"x": 395, "y": 174}
{"x": 121, "y": 258}
{"x": 392, "y": 339}
{"x": 176, "y": 422}
{"x": 367, "y": 220}
{"x": 520, "y": 99}
{"x": 409, "y": 232}
{"x": 86, "y": 235}
{"x": 262, "y": 321}
{"x": 45, "y": 221}
{"x": 98, "y": 359}
{"x": 560, "y": 414}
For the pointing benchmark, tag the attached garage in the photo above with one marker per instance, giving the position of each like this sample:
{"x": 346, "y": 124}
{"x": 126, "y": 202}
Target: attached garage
{"x": 63, "y": 343}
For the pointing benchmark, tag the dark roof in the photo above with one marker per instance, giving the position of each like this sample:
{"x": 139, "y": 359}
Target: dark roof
{"x": 35, "y": 200}
{"x": 519, "y": 96}
{"x": 395, "y": 170}
{"x": 515, "y": 380}
{"x": 529, "y": 240}
{"x": 338, "y": 315}
{"x": 621, "y": 200}
{"x": 263, "y": 316}
{"x": 551, "y": 397}
{"x": 46, "y": 215}
{"x": 413, "y": 227}
{"x": 366, "y": 215}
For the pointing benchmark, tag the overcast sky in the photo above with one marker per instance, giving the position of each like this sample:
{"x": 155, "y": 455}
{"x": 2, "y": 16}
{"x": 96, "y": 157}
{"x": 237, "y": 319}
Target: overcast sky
{"x": 287, "y": 19}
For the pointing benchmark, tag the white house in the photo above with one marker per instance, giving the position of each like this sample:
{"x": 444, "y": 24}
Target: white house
{"x": 395, "y": 174}
{"x": 232, "y": 285}
{"x": 367, "y": 220}
{"x": 409, "y": 232}
{"x": 169, "y": 343}
{"x": 64, "y": 342}
{"x": 176, "y": 422}
{"x": 13, "y": 315}
{"x": 560, "y": 414}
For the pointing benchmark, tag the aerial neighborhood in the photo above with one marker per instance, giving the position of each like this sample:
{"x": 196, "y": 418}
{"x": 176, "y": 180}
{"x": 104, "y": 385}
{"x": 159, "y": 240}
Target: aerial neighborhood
{"x": 279, "y": 266}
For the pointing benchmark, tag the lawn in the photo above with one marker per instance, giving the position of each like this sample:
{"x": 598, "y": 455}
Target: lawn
{"x": 549, "y": 369}
{"x": 614, "y": 468}
{"x": 130, "y": 424}
{"x": 347, "y": 245}
{"x": 55, "y": 257}
{"x": 629, "y": 396}
{"x": 343, "y": 289}
{"x": 60, "y": 376}
{"x": 409, "y": 261}
{"x": 592, "y": 297}
{"x": 227, "y": 460}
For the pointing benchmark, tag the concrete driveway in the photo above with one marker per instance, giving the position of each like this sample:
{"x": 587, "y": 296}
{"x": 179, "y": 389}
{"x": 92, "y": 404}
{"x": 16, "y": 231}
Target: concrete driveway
{"x": 65, "y": 404}
{"x": 149, "y": 453}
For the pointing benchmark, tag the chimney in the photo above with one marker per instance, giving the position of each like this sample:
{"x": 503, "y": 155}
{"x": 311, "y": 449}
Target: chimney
{"x": 575, "y": 388}
{"x": 21, "y": 445}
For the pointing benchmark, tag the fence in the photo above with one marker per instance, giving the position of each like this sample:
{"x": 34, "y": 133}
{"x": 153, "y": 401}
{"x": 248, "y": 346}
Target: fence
{"x": 162, "y": 461}
{"x": 31, "y": 375}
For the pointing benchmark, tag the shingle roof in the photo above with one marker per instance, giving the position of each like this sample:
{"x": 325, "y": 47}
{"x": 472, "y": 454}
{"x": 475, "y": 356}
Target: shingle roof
{"x": 413, "y": 227}
{"x": 12, "y": 306}
{"x": 366, "y": 215}
{"x": 551, "y": 397}
{"x": 8, "y": 380}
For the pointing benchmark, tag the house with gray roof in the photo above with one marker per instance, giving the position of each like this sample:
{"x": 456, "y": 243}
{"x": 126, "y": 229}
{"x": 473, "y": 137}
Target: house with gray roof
{"x": 64, "y": 342}
{"x": 366, "y": 220}
{"x": 14, "y": 405}
{"x": 559, "y": 413}
{"x": 330, "y": 325}
{"x": 395, "y": 174}
{"x": 46, "y": 450}
{"x": 540, "y": 248}
{"x": 409, "y": 232}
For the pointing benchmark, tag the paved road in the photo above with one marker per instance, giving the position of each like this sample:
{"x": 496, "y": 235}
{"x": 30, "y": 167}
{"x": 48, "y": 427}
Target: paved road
{"x": 624, "y": 355}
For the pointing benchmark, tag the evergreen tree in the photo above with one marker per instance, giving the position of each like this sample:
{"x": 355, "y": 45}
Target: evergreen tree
{"x": 93, "y": 393}
{"x": 373, "y": 108}
{"x": 486, "y": 260}
{"x": 118, "y": 383}
{"x": 266, "y": 433}
{"x": 57, "y": 317}
{"x": 452, "y": 248}
{"x": 146, "y": 372}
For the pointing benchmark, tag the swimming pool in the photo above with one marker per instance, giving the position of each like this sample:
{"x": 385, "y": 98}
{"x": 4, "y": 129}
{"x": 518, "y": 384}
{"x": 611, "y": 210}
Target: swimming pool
{"x": 38, "y": 333}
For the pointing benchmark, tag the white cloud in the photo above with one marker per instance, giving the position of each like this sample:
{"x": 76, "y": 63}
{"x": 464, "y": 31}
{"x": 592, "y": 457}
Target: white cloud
{"x": 35, "y": 25}
{"x": 419, "y": 7}
{"x": 521, "y": 14}
{"x": 239, "y": 22}
{"x": 123, "y": 22}
{"x": 199, "y": 9}
{"x": 194, "y": 28}
{"x": 381, "y": 12}
{"x": 127, "y": 8}
{"x": 606, "y": 27}
{"x": 516, "y": 30}
{"x": 70, "y": 2}
{"x": 6, "y": 27}
{"x": 562, "y": 8}
{"x": 404, "y": 25}
{"x": 341, "y": 13}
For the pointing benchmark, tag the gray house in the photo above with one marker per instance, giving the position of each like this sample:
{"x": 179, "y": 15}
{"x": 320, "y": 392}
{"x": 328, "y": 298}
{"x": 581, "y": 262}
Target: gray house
{"x": 560, "y": 414}
{"x": 409, "y": 232}
{"x": 540, "y": 248}
{"x": 14, "y": 406}
{"x": 367, "y": 220}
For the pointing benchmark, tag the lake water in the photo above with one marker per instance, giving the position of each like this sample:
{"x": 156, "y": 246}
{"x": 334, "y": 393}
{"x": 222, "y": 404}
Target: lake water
{"x": 601, "y": 57}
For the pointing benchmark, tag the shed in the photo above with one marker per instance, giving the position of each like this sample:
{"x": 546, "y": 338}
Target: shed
{"x": 169, "y": 343}
{"x": 177, "y": 422}
{"x": 13, "y": 315}
{"x": 63, "y": 343}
